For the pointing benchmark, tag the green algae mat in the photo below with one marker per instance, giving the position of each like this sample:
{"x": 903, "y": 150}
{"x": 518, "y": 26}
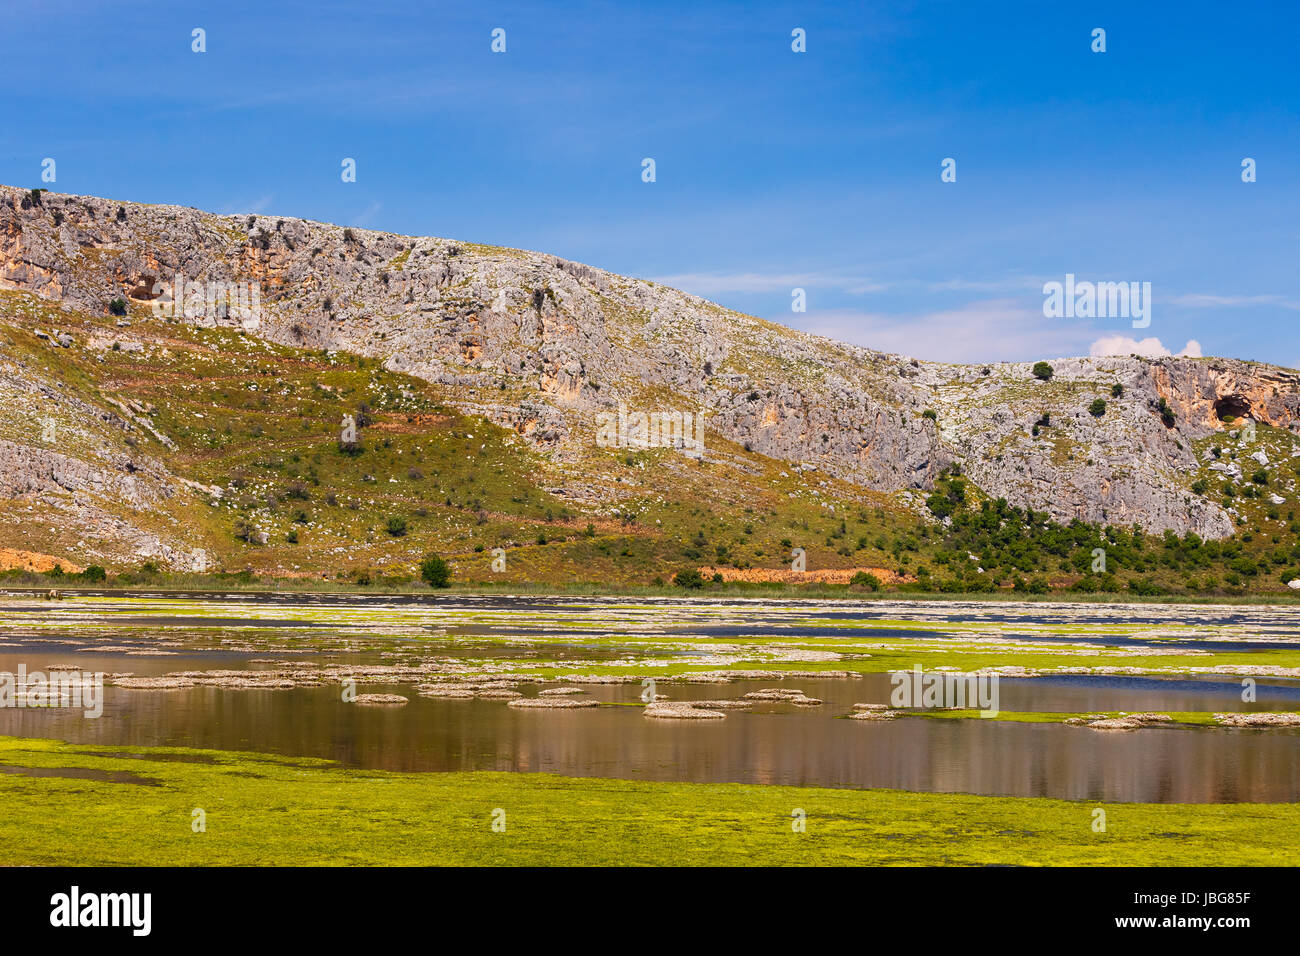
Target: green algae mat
{"x": 66, "y": 804}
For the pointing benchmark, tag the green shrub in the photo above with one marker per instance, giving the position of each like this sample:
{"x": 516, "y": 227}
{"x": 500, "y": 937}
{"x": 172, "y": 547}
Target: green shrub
{"x": 1166, "y": 413}
{"x": 688, "y": 578}
{"x": 1042, "y": 370}
{"x": 865, "y": 580}
{"x": 1146, "y": 588}
{"x": 435, "y": 572}
{"x": 1097, "y": 408}
{"x": 940, "y": 506}
{"x": 396, "y": 526}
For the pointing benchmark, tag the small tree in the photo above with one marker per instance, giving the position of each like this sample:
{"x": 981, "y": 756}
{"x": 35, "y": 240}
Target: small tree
{"x": 865, "y": 580}
{"x": 688, "y": 578}
{"x": 1117, "y": 390}
{"x": 117, "y": 306}
{"x": 396, "y": 526}
{"x": 1042, "y": 370}
{"x": 435, "y": 572}
{"x": 1166, "y": 413}
{"x": 1097, "y": 408}
{"x": 940, "y": 506}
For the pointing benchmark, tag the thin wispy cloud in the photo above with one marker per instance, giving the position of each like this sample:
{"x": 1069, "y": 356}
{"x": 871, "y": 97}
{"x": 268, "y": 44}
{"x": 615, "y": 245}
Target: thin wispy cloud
{"x": 996, "y": 330}
{"x": 241, "y": 208}
{"x": 718, "y": 283}
{"x": 1203, "y": 300}
{"x": 366, "y": 217}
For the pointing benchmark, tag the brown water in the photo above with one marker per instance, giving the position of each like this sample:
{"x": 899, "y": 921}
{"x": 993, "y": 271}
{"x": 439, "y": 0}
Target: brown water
{"x": 773, "y": 744}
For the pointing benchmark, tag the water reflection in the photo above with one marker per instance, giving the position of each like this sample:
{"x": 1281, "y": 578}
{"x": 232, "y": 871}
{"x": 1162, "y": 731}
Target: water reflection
{"x": 774, "y": 744}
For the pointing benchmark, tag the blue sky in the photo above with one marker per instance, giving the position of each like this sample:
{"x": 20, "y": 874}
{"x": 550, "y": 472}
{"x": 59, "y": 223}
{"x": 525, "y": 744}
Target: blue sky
{"x": 774, "y": 169}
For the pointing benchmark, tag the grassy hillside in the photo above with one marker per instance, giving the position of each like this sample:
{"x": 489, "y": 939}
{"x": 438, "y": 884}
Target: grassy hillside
{"x": 249, "y": 433}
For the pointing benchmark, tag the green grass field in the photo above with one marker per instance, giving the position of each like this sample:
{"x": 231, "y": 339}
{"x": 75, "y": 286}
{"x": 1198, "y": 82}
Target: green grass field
{"x": 264, "y": 810}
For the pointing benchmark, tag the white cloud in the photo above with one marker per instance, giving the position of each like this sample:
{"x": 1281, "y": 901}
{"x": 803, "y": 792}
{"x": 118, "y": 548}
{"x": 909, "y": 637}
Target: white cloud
{"x": 708, "y": 284}
{"x": 1204, "y": 300}
{"x": 1017, "y": 283}
{"x": 716, "y": 283}
{"x": 1151, "y": 347}
{"x": 997, "y": 330}
{"x": 244, "y": 208}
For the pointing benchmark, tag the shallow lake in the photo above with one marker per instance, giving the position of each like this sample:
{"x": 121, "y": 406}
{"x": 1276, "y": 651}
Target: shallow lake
{"x": 771, "y": 744}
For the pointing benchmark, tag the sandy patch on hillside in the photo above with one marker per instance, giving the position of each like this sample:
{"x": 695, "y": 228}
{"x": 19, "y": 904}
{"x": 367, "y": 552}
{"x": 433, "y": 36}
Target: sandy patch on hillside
{"x": 825, "y": 576}
{"x": 34, "y": 561}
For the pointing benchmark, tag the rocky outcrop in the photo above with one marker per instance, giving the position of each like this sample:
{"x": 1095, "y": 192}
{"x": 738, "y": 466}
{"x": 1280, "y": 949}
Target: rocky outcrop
{"x": 542, "y": 345}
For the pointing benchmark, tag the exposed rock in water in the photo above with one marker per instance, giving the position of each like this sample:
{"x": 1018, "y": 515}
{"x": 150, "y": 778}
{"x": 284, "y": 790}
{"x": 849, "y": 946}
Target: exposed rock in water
{"x": 681, "y": 710}
{"x": 784, "y": 696}
{"x": 449, "y": 693}
{"x": 874, "y": 714}
{"x": 551, "y": 703}
{"x": 1259, "y": 720}
{"x": 498, "y": 693}
{"x": 153, "y": 683}
{"x": 1124, "y": 722}
{"x": 724, "y": 704}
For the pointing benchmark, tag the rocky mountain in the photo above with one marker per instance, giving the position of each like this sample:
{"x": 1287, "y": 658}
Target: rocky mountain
{"x": 543, "y": 346}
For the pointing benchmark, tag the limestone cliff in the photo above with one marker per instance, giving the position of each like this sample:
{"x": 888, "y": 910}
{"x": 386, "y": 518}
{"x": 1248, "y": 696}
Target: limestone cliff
{"x": 542, "y": 345}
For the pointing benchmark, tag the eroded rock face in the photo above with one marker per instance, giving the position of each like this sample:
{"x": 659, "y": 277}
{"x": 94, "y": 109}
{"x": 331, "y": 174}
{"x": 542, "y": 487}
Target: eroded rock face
{"x": 64, "y": 463}
{"x": 542, "y": 345}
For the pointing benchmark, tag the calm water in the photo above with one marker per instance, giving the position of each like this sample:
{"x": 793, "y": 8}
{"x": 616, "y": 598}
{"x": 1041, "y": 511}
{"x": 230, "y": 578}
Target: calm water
{"x": 773, "y": 744}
